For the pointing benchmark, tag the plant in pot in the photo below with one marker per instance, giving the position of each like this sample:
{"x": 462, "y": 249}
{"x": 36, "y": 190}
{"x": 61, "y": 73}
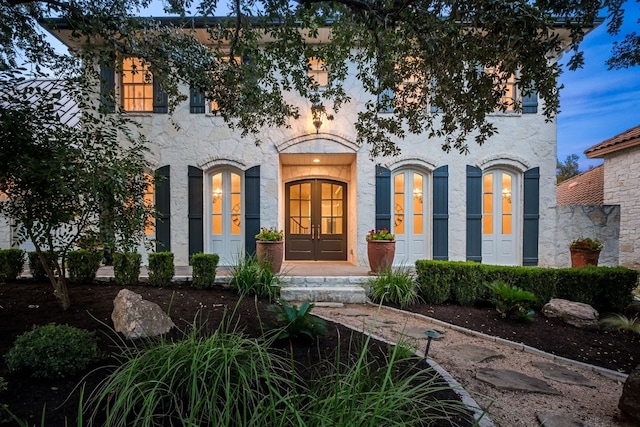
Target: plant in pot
{"x": 270, "y": 248}
{"x": 381, "y": 248}
{"x": 585, "y": 251}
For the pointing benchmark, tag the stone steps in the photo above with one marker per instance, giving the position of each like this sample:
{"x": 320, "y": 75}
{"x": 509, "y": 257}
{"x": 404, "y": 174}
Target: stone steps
{"x": 343, "y": 289}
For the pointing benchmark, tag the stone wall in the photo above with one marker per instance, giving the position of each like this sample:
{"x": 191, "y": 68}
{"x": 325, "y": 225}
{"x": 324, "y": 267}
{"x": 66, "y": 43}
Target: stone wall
{"x": 601, "y": 221}
{"x": 622, "y": 187}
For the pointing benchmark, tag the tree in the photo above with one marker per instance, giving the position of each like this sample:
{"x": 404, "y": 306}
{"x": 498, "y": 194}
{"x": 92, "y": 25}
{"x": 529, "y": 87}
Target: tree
{"x": 568, "y": 169}
{"x": 447, "y": 61}
{"x": 58, "y": 176}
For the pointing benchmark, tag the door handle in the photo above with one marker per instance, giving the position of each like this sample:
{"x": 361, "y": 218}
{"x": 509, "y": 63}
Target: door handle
{"x": 313, "y": 231}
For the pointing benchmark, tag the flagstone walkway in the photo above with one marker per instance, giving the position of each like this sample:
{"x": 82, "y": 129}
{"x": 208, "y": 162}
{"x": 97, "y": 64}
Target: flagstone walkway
{"x": 520, "y": 386}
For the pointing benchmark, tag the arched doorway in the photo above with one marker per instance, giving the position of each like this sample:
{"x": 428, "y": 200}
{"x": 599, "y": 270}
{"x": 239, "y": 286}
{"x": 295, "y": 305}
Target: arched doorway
{"x": 226, "y": 230}
{"x": 316, "y": 220}
{"x": 410, "y": 200}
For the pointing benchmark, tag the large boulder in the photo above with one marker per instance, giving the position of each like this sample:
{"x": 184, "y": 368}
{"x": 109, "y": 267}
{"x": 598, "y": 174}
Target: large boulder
{"x": 630, "y": 400}
{"x": 574, "y": 313}
{"x": 136, "y": 318}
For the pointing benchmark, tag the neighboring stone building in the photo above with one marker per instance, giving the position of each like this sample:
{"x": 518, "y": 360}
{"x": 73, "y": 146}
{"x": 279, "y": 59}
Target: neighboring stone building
{"x": 494, "y": 205}
{"x": 584, "y": 189}
{"x": 621, "y": 155}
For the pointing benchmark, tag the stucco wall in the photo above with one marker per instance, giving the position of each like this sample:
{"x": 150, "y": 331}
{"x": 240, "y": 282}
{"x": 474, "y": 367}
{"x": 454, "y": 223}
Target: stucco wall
{"x": 622, "y": 187}
{"x": 601, "y": 221}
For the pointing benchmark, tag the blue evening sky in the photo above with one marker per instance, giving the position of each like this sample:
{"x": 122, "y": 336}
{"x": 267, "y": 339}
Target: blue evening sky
{"x": 597, "y": 103}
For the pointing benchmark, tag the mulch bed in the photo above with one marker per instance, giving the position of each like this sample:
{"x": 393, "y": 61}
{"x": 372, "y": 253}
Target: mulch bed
{"x": 26, "y": 304}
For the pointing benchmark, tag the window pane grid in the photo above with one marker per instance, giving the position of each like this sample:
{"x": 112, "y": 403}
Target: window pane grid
{"x": 137, "y": 86}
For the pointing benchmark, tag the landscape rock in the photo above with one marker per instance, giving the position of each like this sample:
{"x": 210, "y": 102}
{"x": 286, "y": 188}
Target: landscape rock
{"x": 630, "y": 400}
{"x": 557, "y": 420}
{"x": 561, "y": 374}
{"x": 577, "y": 314}
{"x": 137, "y": 318}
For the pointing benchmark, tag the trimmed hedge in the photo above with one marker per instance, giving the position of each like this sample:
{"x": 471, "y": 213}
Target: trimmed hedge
{"x": 204, "y": 269}
{"x": 83, "y": 266}
{"x": 607, "y": 289}
{"x": 35, "y": 266}
{"x": 11, "y": 264}
{"x": 161, "y": 268}
{"x": 126, "y": 268}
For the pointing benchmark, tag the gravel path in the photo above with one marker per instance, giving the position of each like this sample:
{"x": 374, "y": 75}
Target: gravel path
{"x": 594, "y": 405}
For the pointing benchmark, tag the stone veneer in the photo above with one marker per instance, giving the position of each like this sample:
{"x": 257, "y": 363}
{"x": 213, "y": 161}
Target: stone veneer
{"x": 524, "y": 141}
{"x": 622, "y": 187}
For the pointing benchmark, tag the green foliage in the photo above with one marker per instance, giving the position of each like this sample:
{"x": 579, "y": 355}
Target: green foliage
{"x": 592, "y": 244}
{"x": 568, "y": 169}
{"x": 248, "y": 277}
{"x": 271, "y": 234}
{"x": 396, "y": 285}
{"x": 434, "y": 279}
{"x": 467, "y": 286}
{"x": 511, "y": 301}
{"x": 11, "y": 264}
{"x": 204, "y": 269}
{"x": 382, "y": 234}
{"x": 35, "y": 265}
{"x": 222, "y": 379}
{"x": 83, "y": 265}
{"x": 294, "y": 322}
{"x": 161, "y": 269}
{"x": 126, "y": 268}
{"x": 621, "y": 322}
{"x": 3, "y": 385}
{"x": 53, "y": 351}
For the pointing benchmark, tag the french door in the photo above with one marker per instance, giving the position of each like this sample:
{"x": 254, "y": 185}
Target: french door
{"x": 410, "y": 216}
{"x": 499, "y": 205}
{"x": 316, "y": 220}
{"x": 225, "y": 210}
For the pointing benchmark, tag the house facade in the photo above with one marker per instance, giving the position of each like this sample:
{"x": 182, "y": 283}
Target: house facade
{"x": 315, "y": 182}
{"x": 621, "y": 154}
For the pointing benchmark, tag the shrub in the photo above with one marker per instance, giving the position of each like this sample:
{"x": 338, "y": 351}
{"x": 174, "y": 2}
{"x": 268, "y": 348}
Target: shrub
{"x": 296, "y": 323}
{"x": 434, "y": 280}
{"x": 621, "y": 323}
{"x": 248, "y": 277}
{"x": 397, "y": 285}
{"x": 11, "y": 264}
{"x": 126, "y": 268}
{"x": 468, "y": 286}
{"x": 511, "y": 301}
{"x": 204, "y": 269}
{"x": 52, "y": 351}
{"x": 35, "y": 266}
{"x": 161, "y": 269}
{"x": 83, "y": 265}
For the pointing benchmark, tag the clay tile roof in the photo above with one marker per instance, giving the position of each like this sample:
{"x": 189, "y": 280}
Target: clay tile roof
{"x": 626, "y": 139}
{"x": 584, "y": 189}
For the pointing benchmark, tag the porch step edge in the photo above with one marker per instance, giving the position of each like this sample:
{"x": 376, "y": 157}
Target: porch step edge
{"x": 323, "y": 281}
{"x": 343, "y": 294}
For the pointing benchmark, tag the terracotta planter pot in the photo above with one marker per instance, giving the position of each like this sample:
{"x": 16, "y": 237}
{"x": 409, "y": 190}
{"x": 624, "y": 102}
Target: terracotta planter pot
{"x": 584, "y": 257}
{"x": 380, "y": 253}
{"x": 270, "y": 254}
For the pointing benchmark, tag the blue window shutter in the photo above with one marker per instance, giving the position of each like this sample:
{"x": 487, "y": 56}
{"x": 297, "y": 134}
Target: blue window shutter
{"x": 531, "y": 220}
{"x": 385, "y": 101}
{"x": 474, "y": 214}
{"x": 163, "y": 206}
{"x": 441, "y": 213}
{"x": 383, "y": 198}
{"x": 160, "y": 99}
{"x": 251, "y": 208}
{"x": 196, "y": 214}
{"x": 107, "y": 85}
{"x": 196, "y": 101}
{"x": 530, "y": 103}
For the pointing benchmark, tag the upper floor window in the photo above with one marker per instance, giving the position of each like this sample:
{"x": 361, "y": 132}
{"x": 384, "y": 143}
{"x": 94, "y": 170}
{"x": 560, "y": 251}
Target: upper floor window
{"x": 318, "y": 72}
{"x": 137, "y": 85}
{"x": 506, "y": 85}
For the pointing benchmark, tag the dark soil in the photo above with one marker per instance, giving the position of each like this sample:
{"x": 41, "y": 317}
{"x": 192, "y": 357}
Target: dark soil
{"x": 25, "y": 304}
{"x": 616, "y": 350}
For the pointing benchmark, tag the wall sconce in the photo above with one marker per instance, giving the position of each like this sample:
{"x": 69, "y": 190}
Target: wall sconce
{"x": 217, "y": 194}
{"x": 318, "y": 114}
{"x": 417, "y": 194}
{"x": 506, "y": 194}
